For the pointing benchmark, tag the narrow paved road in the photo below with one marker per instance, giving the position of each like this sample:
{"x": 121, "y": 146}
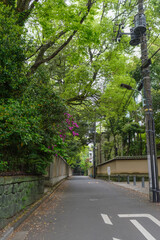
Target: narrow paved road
{"x": 88, "y": 209}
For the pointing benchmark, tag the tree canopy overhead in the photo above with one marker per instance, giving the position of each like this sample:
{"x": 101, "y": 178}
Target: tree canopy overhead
{"x": 61, "y": 57}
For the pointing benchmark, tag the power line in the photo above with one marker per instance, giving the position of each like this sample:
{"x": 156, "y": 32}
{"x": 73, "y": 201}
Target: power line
{"x": 122, "y": 13}
{"x": 124, "y": 96}
{"x": 153, "y": 41}
{"x": 128, "y": 102}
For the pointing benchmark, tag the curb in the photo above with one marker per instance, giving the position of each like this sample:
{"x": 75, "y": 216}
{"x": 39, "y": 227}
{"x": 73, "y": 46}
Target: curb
{"x": 128, "y": 186}
{"x": 16, "y": 223}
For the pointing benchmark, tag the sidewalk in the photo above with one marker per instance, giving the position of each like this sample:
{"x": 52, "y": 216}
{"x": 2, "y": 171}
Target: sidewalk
{"x": 138, "y": 187}
{"x": 20, "y": 217}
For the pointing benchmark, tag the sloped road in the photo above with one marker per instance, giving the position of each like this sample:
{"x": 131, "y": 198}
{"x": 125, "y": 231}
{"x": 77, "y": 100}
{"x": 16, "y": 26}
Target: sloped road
{"x": 88, "y": 209}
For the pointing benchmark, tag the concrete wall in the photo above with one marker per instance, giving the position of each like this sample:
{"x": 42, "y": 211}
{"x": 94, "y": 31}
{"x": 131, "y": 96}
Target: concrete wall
{"x": 125, "y": 165}
{"x": 17, "y": 192}
{"x": 57, "y": 171}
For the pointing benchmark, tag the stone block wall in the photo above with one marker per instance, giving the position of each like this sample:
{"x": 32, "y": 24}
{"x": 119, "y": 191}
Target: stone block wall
{"x": 17, "y": 192}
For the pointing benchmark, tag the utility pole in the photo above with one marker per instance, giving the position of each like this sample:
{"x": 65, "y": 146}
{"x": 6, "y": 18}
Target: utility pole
{"x": 154, "y": 192}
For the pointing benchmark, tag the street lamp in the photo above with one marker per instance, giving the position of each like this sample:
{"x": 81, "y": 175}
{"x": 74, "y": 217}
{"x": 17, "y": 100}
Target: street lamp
{"x": 151, "y": 150}
{"x": 126, "y": 86}
{"x": 130, "y": 88}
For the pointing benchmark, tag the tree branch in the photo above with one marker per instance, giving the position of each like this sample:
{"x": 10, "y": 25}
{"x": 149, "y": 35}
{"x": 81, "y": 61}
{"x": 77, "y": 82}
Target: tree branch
{"x": 32, "y": 5}
{"x": 35, "y": 52}
{"x": 79, "y": 98}
{"x": 39, "y": 60}
{"x": 23, "y": 5}
{"x": 90, "y": 54}
{"x": 102, "y": 50}
{"x": 104, "y": 7}
{"x": 25, "y": 9}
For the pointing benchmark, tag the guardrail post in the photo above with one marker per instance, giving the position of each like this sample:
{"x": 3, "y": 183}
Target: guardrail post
{"x": 127, "y": 179}
{"x": 134, "y": 180}
{"x": 143, "y": 183}
{"x": 118, "y": 178}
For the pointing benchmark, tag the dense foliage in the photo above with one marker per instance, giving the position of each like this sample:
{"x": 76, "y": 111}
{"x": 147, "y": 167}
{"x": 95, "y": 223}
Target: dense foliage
{"x": 59, "y": 69}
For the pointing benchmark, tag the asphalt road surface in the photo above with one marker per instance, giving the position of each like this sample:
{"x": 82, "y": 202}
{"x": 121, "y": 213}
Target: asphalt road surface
{"x": 88, "y": 209}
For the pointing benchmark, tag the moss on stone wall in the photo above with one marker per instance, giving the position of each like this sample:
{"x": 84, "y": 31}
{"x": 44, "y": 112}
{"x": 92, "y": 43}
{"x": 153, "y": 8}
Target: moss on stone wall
{"x": 16, "y": 193}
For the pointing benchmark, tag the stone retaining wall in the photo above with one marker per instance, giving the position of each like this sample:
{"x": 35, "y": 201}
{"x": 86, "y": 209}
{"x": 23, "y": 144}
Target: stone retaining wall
{"x": 17, "y": 192}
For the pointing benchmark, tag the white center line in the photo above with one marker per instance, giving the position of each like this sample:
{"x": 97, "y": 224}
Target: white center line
{"x": 147, "y": 235}
{"x": 106, "y": 219}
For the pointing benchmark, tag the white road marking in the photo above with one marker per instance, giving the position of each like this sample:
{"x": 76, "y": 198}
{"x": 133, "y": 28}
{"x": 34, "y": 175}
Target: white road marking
{"x": 153, "y": 219}
{"x": 106, "y": 219}
{"x": 145, "y": 233}
{"x": 93, "y": 182}
{"x": 116, "y": 239}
